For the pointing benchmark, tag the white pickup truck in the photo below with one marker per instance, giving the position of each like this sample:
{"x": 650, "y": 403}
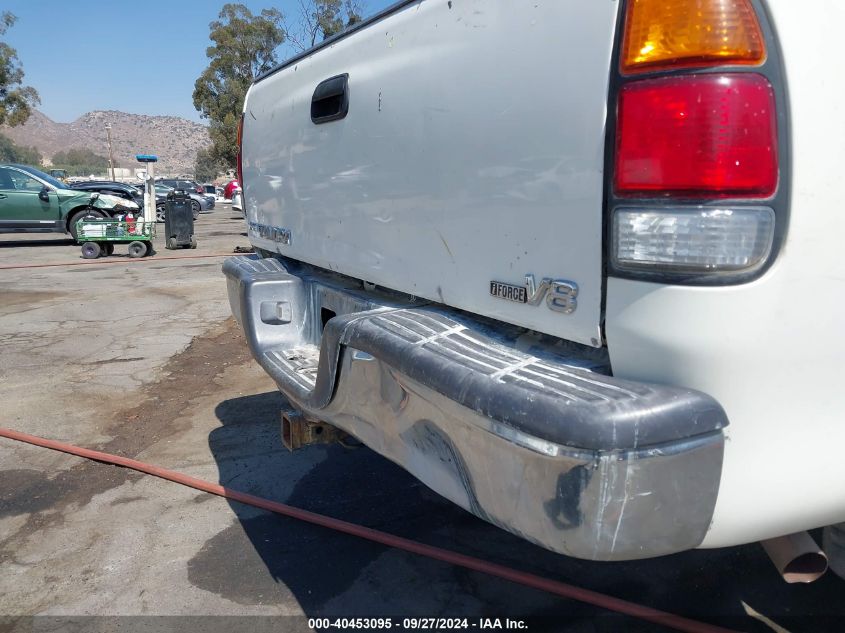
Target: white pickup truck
{"x": 575, "y": 265}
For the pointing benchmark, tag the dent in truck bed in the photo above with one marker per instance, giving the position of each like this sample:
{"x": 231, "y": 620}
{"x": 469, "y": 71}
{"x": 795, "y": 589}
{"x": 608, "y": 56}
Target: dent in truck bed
{"x": 449, "y": 170}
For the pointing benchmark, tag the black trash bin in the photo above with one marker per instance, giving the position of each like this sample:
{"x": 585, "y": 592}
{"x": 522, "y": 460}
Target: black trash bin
{"x": 179, "y": 221}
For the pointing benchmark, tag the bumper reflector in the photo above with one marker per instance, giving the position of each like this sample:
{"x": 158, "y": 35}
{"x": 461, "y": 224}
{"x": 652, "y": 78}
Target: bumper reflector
{"x": 692, "y": 239}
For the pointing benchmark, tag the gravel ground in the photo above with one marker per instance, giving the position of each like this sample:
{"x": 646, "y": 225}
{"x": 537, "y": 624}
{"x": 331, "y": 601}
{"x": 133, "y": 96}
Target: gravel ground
{"x": 143, "y": 360}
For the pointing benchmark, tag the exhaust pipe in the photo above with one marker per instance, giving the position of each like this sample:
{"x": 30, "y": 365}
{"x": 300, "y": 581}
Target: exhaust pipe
{"x": 797, "y": 557}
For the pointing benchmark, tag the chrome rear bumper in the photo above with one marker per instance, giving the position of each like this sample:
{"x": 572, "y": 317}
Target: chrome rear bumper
{"x": 527, "y": 432}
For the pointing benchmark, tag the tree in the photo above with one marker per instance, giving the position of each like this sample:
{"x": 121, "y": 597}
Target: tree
{"x": 323, "y": 18}
{"x": 80, "y": 162}
{"x": 11, "y": 153}
{"x": 244, "y": 46}
{"x": 16, "y": 100}
{"x": 207, "y": 166}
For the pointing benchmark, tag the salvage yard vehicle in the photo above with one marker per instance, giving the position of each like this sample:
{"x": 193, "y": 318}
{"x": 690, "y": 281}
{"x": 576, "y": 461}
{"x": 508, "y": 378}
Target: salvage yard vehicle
{"x": 211, "y": 201}
{"x": 574, "y": 265}
{"x": 199, "y": 203}
{"x": 34, "y": 202}
{"x": 202, "y": 201}
{"x": 230, "y": 188}
{"x": 119, "y": 189}
{"x": 212, "y": 191}
{"x": 238, "y": 201}
{"x": 178, "y": 183}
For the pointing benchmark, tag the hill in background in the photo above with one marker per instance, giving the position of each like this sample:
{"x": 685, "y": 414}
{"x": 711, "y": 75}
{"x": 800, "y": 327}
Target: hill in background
{"x": 173, "y": 139}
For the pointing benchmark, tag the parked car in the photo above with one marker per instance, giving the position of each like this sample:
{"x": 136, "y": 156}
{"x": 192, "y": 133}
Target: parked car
{"x": 119, "y": 189}
{"x": 237, "y": 200}
{"x": 161, "y": 199}
{"x": 211, "y": 190}
{"x": 199, "y": 203}
{"x": 212, "y": 202}
{"x": 230, "y": 188}
{"x": 205, "y": 201}
{"x": 178, "y": 183}
{"x": 623, "y": 333}
{"x": 32, "y": 201}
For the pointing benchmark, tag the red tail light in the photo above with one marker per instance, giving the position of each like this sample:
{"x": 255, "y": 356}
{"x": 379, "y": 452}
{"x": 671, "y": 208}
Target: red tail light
{"x": 240, "y": 151}
{"x": 712, "y": 135}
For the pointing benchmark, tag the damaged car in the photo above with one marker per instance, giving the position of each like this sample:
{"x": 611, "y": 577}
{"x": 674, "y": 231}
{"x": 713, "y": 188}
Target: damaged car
{"x": 34, "y": 202}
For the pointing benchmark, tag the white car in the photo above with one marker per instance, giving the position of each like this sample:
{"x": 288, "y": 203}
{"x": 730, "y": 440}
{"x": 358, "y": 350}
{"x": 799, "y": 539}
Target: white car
{"x": 584, "y": 282}
{"x": 237, "y": 200}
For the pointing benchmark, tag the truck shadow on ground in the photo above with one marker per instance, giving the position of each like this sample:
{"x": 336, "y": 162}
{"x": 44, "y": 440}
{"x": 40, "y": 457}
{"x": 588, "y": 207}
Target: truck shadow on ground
{"x": 267, "y": 559}
{"x": 25, "y": 243}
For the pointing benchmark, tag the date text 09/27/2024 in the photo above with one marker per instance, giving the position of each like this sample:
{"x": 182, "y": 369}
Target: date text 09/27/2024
{"x": 417, "y": 624}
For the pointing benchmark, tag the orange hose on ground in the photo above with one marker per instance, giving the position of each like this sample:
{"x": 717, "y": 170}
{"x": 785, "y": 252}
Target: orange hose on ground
{"x": 529, "y": 580}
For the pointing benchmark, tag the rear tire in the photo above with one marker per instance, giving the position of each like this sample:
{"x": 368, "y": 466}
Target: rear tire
{"x": 193, "y": 242}
{"x": 137, "y": 249}
{"x": 172, "y": 244}
{"x": 160, "y": 213}
{"x": 88, "y": 214}
{"x": 195, "y": 208}
{"x": 91, "y": 250}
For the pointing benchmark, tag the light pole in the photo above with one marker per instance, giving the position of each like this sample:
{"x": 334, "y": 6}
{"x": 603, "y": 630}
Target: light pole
{"x": 111, "y": 155}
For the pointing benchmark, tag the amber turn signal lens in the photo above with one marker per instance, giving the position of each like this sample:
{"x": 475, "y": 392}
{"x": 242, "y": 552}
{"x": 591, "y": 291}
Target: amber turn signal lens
{"x": 667, "y": 34}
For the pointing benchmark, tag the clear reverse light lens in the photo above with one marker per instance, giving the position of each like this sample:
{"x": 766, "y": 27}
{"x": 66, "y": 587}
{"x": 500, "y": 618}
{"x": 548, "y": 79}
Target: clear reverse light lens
{"x": 692, "y": 239}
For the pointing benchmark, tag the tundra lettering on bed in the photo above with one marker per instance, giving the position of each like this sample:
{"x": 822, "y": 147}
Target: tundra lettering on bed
{"x": 556, "y": 279}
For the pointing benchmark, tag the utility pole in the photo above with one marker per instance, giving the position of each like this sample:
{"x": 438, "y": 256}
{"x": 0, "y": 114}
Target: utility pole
{"x": 111, "y": 155}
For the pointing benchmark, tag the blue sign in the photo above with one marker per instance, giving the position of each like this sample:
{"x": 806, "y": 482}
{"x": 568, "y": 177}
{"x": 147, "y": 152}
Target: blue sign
{"x": 146, "y": 158}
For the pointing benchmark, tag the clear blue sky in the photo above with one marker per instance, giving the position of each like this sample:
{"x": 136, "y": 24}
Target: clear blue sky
{"x": 90, "y": 54}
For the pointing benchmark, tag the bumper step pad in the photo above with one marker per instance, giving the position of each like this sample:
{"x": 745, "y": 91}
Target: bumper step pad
{"x": 565, "y": 400}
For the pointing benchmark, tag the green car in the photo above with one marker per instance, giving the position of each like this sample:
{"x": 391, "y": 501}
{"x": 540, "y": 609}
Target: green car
{"x": 34, "y": 202}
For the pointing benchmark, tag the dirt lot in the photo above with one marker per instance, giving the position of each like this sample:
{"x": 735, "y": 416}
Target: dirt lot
{"x": 142, "y": 359}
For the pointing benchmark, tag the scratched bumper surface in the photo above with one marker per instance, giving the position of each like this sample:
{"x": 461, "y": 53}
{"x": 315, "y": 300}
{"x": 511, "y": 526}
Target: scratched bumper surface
{"x": 542, "y": 442}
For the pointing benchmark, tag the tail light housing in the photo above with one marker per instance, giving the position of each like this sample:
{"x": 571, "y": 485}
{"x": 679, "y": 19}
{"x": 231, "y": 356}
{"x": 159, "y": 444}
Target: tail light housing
{"x": 712, "y": 136}
{"x": 697, "y": 193}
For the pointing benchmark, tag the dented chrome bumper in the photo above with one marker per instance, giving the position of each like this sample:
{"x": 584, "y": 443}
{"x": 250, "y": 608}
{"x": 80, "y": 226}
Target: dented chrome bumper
{"x": 527, "y": 432}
